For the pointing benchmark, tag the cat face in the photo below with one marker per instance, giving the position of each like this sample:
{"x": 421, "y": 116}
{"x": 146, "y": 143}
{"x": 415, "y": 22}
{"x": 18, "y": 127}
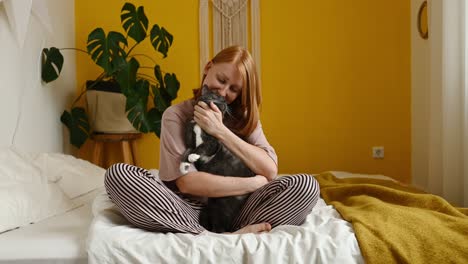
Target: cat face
{"x": 209, "y": 96}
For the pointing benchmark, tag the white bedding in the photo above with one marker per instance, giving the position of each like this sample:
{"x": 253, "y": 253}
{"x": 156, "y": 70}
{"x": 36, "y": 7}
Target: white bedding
{"x": 60, "y": 201}
{"x": 324, "y": 238}
{"x": 59, "y": 239}
{"x": 45, "y": 206}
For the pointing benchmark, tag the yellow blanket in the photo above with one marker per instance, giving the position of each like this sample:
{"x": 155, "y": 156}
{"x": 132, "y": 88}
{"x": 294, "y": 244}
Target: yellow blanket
{"x": 398, "y": 224}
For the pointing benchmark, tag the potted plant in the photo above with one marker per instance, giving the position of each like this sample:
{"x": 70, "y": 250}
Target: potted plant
{"x": 113, "y": 53}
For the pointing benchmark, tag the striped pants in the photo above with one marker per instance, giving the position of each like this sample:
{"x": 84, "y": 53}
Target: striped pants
{"x": 148, "y": 204}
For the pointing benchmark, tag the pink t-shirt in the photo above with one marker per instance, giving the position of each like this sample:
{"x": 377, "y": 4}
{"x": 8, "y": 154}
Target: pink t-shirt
{"x": 172, "y": 145}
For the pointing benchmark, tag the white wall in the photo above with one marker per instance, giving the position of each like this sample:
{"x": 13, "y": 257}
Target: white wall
{"x": 30, "y": 110}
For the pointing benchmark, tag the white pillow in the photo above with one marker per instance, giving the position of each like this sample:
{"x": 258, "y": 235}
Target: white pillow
{"x": 35, "y": 186}
{"x": 75, "y": 176}
{"x": 14, "y": 168}
{"x": 344, "y": 175}
{"x": 22, "y": 204}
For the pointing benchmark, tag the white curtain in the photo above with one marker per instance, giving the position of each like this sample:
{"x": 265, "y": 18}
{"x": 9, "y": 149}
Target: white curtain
{"x": 465, "y": 106}
{"x": 445, "y": 170}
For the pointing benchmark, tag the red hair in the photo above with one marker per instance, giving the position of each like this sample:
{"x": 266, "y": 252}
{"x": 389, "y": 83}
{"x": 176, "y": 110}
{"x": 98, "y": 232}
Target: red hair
{"x": 245, "y": 108}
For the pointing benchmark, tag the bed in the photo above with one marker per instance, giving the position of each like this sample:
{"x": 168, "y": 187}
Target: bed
{"x": 54, "y": 209}
{"x": 324, "y": 238}
{"x": 359, "y": 218}
{"x": 58, "y": 239}
{"x": 45, "y": 206}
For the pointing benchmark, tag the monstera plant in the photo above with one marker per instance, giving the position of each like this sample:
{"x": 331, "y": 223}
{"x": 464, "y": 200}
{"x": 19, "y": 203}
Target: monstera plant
{"x": 112, "y": 51}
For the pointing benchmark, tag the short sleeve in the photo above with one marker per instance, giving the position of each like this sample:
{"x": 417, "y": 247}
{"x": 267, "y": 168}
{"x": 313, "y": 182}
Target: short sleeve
{"x": 172, "y": 145}
{"x": 258, "y": 138}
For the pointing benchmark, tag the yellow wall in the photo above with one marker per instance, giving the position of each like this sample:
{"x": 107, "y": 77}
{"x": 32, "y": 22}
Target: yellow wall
{"x": 336, "y": 78}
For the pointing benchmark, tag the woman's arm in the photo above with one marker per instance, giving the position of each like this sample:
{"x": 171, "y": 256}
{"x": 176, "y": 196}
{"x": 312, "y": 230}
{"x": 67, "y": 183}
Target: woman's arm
{"x": 197, "y": 183}
{"x": 209, "y": 118}
{"x": 209, "y": 185}
{"x": 253, "y": 157}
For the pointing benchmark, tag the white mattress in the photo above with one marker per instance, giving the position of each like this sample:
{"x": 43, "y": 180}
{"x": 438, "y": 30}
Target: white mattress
{"x": 324, "y": 238}
{"x": 59, "y": 239}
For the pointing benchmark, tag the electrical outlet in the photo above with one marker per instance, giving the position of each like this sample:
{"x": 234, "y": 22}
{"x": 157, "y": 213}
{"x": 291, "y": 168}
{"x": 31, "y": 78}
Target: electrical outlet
{"x": 378, "y": 152}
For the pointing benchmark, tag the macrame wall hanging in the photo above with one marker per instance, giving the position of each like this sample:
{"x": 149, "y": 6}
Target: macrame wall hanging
{"x": 230, "y": 26}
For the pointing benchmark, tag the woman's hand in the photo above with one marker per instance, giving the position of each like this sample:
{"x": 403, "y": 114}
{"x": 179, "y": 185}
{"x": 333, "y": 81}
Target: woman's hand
{"x": 209, "y": 118}
{"x": 259, "y": 181}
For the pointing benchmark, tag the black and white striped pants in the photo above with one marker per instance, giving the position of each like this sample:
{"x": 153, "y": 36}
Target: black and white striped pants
{"x": 148, "y": 204}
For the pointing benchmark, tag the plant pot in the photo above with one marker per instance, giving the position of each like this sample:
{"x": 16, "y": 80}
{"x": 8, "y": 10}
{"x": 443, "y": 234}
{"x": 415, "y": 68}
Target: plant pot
{"x": 106, "y": 108}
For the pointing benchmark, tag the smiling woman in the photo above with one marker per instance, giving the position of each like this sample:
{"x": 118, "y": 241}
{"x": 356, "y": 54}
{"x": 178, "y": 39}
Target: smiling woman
{"x": 224, "y": 79}
{"x": 241, "y": 134}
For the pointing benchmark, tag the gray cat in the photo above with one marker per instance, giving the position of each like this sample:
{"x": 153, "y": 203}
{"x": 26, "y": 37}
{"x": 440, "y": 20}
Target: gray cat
{"x": 209, "y": 155}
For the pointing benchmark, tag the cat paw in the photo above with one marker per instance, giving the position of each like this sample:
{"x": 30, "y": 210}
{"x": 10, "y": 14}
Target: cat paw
{"x": 193, "y": 157}
{"x": 184, "y": 166}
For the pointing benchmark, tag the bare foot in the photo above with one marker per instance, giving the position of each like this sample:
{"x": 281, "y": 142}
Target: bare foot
{"x": 255, "y": 228}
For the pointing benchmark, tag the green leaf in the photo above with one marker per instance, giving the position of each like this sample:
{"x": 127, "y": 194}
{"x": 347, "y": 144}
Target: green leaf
{"x": 166, "y": 91}
{"x": 172, "y": 85}
{"x": 137, "y": 101}
{"x": 160, "y": 99}
{"x": 106, "y": 51}
{"x": 77, "y": 124}
{"x": 154, "y": 119}
{"x": 158, "y": 75}
{"x": 161, "y": 39}
{"x": 118, "y": 63}
{"x": 134, "y": 22}
{"x": 126, "y": 77}
{"x": 52, "y": 63}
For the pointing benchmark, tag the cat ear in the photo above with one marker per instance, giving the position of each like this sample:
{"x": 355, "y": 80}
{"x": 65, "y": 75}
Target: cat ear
{"x": 205, "y": 89}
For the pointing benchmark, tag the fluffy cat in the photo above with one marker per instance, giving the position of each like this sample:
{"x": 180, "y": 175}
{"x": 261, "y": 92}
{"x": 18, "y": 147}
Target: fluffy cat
{"x": 209, "y": 155}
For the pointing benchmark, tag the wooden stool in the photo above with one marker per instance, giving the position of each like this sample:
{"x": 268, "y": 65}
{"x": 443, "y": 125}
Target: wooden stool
{"x": 127, "y": 143}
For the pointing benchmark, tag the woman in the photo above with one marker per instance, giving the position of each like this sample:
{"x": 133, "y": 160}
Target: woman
{"x": 174, "y": 204}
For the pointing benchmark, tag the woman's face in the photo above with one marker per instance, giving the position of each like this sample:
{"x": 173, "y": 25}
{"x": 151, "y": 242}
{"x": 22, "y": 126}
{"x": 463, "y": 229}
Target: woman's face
{"x": 223, "y": 79}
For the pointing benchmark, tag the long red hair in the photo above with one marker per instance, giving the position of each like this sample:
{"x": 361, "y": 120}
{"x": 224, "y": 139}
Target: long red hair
{"x": 245, "y": 109}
